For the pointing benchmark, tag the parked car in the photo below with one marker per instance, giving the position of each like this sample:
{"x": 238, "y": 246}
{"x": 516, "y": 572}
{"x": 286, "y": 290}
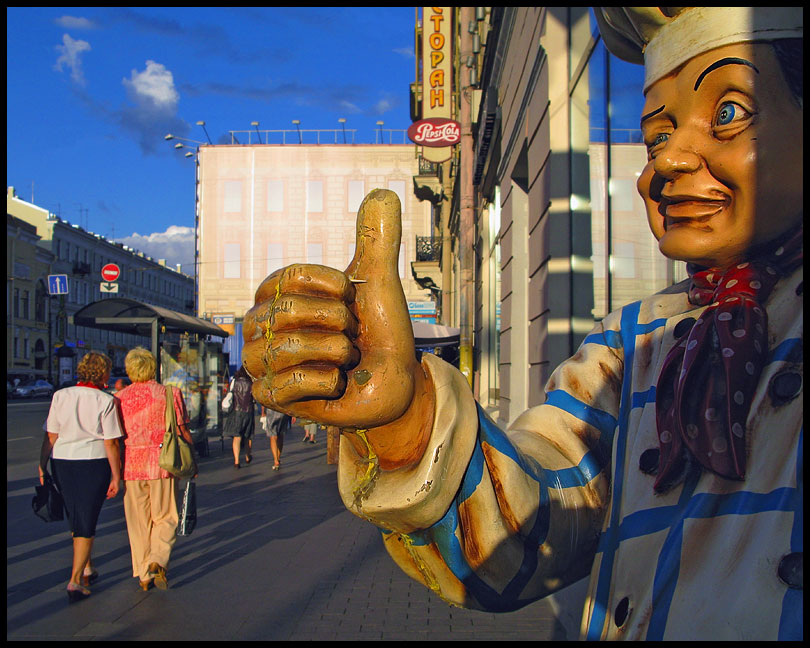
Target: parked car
{"x": 9, "y": 389}
{"x": 33, "y": 388}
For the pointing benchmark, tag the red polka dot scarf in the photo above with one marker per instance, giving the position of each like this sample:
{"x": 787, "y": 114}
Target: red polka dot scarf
{"x": 710, "y": 376}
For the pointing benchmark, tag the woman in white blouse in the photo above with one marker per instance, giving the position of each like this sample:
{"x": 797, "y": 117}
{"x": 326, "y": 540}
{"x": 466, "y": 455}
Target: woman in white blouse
{"x": 81, "y": 437}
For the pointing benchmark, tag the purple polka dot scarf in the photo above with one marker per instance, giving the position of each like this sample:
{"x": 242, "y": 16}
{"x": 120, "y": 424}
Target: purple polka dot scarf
{"x": 710, "y": 376}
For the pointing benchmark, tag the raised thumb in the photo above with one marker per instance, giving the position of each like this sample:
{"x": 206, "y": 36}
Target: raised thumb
{"x": 385, "y": 337}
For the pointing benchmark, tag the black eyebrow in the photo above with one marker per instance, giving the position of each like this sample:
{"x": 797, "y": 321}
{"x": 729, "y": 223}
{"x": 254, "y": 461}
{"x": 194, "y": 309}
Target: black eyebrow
{"x": 731, "y": 60}
{"x": 651, "y": 114}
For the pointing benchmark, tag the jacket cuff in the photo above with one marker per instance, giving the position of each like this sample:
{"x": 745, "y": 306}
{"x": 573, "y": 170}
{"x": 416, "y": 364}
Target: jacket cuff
{"x": 417, "y": 496}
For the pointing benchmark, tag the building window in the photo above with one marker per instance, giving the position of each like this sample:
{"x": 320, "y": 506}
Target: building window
{"x": 275, "y": 195}
{"x": 39, "y": 307}
{"x": 275, "y": 257}
{"x": 233, "y": 196}
{"x": 17, "y": 302}
{"x": 398, "y": 187}
{"x": 356, "y": 195}
{"x": 314, "y": 196}
{"x": 231, "y": 261}
{"x": 315, "y": 253}
{"x": 25, "y": 313}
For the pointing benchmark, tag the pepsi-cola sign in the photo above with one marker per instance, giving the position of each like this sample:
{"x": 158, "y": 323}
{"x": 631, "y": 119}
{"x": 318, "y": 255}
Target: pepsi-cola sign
{"x": 435, "y": 132}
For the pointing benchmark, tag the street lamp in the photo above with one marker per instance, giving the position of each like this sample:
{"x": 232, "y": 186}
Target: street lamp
{"x": 196, "y": 154}
{"x": 202, "y": 123}
{"x": 255, "y": 124}
{"x": 297, "y": 122}
{"x": 183, "y": 139}
{"x": 342, "y": 121}
{"x": 380, "y": 124}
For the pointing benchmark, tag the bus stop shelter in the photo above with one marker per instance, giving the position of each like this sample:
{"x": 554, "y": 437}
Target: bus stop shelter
{"x": 137, "y": 318}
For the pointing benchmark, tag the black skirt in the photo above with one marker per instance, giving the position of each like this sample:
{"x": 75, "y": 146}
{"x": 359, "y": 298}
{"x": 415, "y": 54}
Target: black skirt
{"x": 83, "y": 484}
{"x": 240, "y": 424}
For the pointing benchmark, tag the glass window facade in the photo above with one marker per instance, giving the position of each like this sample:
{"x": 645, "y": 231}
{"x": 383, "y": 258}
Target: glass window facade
{"x": 608, "y": 155}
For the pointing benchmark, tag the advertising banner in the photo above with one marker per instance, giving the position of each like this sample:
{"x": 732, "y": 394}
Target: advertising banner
{"x": 437, "y": 72}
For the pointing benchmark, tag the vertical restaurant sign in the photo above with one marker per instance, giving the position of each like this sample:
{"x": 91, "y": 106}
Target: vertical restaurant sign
{"x": 437, "y": 72}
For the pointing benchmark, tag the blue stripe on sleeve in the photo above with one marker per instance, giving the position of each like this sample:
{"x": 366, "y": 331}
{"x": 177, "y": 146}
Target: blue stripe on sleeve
{"x": 607, "y": 338}
{"x": 601, "y": 420}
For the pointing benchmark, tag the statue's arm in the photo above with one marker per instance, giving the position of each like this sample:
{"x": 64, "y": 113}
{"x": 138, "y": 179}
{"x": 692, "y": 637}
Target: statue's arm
{"x": 494, "y": 519}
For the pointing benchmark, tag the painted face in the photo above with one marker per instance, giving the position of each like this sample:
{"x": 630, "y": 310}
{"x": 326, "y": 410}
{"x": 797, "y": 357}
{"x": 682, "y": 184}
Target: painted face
{"x": 724, "y": 165}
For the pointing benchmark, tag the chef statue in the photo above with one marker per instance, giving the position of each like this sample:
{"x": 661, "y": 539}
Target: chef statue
{"x": 666, "y": 462}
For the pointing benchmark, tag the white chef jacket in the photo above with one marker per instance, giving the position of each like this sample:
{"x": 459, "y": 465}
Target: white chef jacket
{"x": 494, "y": 519}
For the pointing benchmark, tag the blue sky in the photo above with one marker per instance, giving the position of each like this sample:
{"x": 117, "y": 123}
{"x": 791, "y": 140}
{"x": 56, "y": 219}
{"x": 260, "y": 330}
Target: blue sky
{"x": 91, "y": 92}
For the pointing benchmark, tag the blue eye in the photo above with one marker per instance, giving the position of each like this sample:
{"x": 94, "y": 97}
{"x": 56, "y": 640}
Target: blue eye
{"x": 726, "y": 114}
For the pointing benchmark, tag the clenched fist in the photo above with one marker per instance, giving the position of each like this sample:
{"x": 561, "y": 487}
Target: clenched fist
{"x": 337, "y": 347}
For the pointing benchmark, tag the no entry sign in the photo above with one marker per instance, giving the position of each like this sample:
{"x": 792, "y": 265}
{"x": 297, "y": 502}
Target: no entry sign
{"x": 110, "y": 272}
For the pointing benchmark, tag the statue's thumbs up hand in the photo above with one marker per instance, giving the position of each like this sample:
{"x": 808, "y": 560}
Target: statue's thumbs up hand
{"x": 338, "y": 347}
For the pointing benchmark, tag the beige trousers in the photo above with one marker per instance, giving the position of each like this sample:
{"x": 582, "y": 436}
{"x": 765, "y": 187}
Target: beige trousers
{"x": 150, "y": 507}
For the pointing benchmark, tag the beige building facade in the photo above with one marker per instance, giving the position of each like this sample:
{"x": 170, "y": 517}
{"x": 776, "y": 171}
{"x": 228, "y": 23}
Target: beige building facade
{"x": 27, "y": 266}
{"x": 262, "y": 207}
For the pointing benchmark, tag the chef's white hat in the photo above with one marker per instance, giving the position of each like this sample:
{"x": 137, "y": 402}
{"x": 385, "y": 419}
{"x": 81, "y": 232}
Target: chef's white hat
{"x": 664, "y": 38}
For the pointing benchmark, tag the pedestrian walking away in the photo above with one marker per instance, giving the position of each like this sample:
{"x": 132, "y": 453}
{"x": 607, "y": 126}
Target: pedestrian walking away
{"x": 309, "y": 432}
{"x": 241, "y": 422}
{"x": 150, "y": 498}
{"x": 82, "y": 434}
{"x": 276, "y": 424}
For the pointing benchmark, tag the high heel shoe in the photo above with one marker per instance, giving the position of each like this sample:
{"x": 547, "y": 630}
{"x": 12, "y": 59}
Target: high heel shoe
{"x": 248, "y": 459}
{"x": 147, "y": 584}
{"x": 89, "y": 579}
{"x": 158, "y": 574}
{"x": 77, "y": 593}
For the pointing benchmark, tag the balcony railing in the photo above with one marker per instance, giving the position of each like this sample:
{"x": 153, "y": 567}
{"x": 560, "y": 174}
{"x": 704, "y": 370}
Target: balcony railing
{"x": 317, "y": 136}
{"x": 428, "y": 248}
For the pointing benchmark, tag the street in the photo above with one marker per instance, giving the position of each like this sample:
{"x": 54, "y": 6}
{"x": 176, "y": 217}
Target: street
{"x": 275, "y": 555}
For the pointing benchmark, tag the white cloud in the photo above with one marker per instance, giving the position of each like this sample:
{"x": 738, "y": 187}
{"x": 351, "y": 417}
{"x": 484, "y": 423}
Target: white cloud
{"x": 70, "y": 54}
{"x": 176, "y": 245}
{"x": 154, "y": 112}
{"x": 74, "y": 22}
{"x": 382, "y": 106}
{"x": 155, "y": 86}
{"x": 348, "y": 106}
{"x": 404, "y": 51}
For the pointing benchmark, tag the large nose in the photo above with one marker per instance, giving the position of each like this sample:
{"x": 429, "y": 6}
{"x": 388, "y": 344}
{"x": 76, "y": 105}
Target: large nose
{"x": 678, "y": 155}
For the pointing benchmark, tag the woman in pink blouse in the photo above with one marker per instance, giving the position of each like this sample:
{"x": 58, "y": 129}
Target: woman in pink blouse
{"x": 150, "y": 498}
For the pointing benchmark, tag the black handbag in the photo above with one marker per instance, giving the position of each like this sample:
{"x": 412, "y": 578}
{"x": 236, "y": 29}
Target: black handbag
{"x": 48, "y": 503}
{"x": 188, "y": 510}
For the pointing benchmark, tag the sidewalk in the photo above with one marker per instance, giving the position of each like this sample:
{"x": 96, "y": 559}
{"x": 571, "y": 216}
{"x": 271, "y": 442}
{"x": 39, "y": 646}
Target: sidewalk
{"x": 275, "y": 556}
